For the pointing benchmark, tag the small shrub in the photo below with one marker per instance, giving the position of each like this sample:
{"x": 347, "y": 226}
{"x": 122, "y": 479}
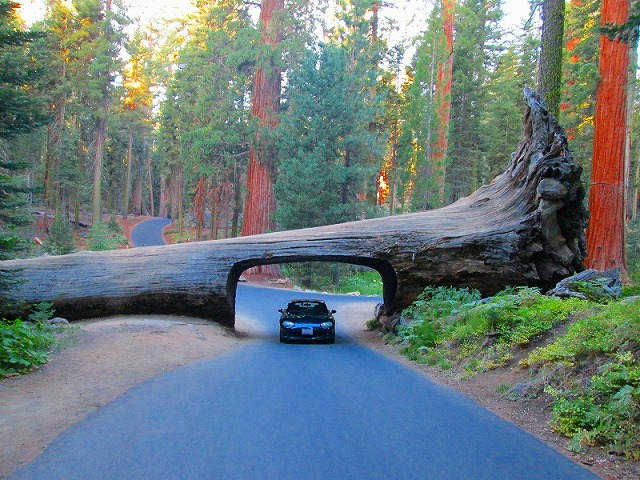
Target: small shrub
{"x": 23, "y": 346}
{"x": 41, "y": 312}
{"x": 102, "y": 237}
{"x": 60, "y": 240}
{"x": 372, "y": 324}
{"x": 114, "y": 227}
{"x": 503, "y": 389}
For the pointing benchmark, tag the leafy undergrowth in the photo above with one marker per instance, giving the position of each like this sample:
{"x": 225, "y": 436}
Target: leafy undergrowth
{"x": 365, "y": 283}
{"x": 588, "y": 362}
{"x": 25, "y": 345}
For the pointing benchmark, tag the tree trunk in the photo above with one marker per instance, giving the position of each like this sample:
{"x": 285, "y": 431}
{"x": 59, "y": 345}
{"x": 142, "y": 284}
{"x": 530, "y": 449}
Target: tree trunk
{"x": 136, "y": 198}
{"x": 162, "y": 207}
{"x": 152, "y": 208}
{"x": 98, "y": 156}
{"x": 260, "y": 201}
{"x": 443, "y": 104}
{"x": 525, "y": 228}
{"x": 635, "y": 196}
{"x": 605, "y": 235}
{"x": 100, "y": 135}
{"x": 550, "y": 67}
{"x": 127, "y": 177}
{"x": 629, "y": 181}
{"x": 237, "y": 202}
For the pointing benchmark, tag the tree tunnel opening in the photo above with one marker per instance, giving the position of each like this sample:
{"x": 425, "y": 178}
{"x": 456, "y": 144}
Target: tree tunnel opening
{"x": 383, "y": 268}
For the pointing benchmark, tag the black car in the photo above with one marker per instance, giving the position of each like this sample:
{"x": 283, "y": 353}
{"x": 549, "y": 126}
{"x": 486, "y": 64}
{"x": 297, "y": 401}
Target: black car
{"x": 307, "y": 320}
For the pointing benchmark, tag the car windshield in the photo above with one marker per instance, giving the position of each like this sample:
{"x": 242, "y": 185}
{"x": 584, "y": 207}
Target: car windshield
{"x": 307, "y": 307}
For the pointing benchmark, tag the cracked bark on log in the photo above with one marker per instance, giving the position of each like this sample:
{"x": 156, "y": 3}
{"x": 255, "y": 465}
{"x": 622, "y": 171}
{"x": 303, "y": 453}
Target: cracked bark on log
{"x": 525, "y": 228}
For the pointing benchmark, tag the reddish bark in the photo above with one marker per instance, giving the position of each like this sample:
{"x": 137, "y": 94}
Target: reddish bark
{"x": 605, "y": 234}
{"x": 198, "y": 207}
{"x": 443, "y": 102}
{"x": 260, "y": 202}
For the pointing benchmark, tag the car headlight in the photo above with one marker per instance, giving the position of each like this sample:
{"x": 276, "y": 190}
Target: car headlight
{"x": 288, "y": 324}
{"x": 326, "y": 324}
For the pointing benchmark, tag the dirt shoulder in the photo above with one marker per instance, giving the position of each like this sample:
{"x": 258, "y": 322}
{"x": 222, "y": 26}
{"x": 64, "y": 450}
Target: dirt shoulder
{"x": 104, "y": 359}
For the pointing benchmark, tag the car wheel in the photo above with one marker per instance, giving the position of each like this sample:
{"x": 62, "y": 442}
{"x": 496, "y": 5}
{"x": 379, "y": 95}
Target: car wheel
{"x": 332, "y": 338}
{"x": 282, "y": 338}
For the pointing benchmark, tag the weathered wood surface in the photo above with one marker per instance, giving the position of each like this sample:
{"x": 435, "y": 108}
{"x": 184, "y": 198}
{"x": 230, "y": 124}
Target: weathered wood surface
{"x": 525, "y": 228}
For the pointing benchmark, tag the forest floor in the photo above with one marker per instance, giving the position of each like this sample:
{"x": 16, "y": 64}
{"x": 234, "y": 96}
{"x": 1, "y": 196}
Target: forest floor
{"x": 103, "y": 358}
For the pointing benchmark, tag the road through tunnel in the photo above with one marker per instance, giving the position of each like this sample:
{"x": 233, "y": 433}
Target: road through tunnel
{"x": 385, "y": 270}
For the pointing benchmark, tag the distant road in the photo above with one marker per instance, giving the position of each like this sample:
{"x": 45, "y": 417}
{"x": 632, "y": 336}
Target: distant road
{"x": 272, "y": 411}
{"x": 149, "y": 233}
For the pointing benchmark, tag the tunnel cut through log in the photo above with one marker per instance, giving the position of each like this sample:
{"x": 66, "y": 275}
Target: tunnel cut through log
{"x": 384, "y": 269}
{"x": 525, "y": 228}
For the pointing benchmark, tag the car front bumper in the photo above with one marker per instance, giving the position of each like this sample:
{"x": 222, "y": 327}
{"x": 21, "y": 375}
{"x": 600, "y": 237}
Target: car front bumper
{"x": 305, "y": 332}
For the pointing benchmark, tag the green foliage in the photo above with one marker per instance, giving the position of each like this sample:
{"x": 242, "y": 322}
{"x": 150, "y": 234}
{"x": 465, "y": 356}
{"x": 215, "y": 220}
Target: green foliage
{"x": 41, "y": 312}
{"x": 104, "y": 237}
{"x": 474, "y": 53}
{"x": 605, "y": 330}
{"x": 23, "y": 346}
{"x": 328, "y": 152}
{"x": 455, "y": 324}
{"x": 21, "y": 111}
{"x": 604, "y": 410}
{"x": 580, "y": 73}
{"x": 60, "y": 240}
{"x": 439, "y": 302}
{"x": 372, "y": 324}
{"x": 365, "y": 283}
{"x": 334, "y": 277}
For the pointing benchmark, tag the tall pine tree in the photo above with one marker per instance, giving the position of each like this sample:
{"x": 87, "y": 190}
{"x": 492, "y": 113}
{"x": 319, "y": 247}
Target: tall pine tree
{"x": 20, "y": 113}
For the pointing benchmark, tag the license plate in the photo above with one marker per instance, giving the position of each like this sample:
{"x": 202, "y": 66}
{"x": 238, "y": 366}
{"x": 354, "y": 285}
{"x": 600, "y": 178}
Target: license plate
{"x": 307, "y": 331}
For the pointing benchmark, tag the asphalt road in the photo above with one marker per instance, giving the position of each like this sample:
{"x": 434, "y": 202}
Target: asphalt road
{"x": 278, "y": 411}
{"x": 149, "y": 232}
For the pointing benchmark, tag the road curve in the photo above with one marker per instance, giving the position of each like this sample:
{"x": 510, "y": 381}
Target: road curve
{"x": 149, "y": 232}
{"x": 277, "y": 411}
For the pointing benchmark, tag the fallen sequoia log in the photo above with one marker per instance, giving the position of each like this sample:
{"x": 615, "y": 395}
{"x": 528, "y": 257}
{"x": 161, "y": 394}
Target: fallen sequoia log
{"x": 525, "y": 228}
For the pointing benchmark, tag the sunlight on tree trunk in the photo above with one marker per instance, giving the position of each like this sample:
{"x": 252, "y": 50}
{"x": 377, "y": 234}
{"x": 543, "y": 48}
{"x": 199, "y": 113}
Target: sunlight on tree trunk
{"x": 605, "y": 234}
{"x": 443, "y": 94}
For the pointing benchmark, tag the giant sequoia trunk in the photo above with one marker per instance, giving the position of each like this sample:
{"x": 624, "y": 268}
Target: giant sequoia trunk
{"x": 526, "y": 228}
{"x": 606, "y": 196}
{"x": 260, "y": 203}
{"x": 443, "y": 98}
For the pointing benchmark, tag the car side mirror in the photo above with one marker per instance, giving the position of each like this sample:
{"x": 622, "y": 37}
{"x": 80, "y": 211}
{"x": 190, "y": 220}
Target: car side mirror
{"x": 333, "y": 311}
{"x": 280, "y": 310}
